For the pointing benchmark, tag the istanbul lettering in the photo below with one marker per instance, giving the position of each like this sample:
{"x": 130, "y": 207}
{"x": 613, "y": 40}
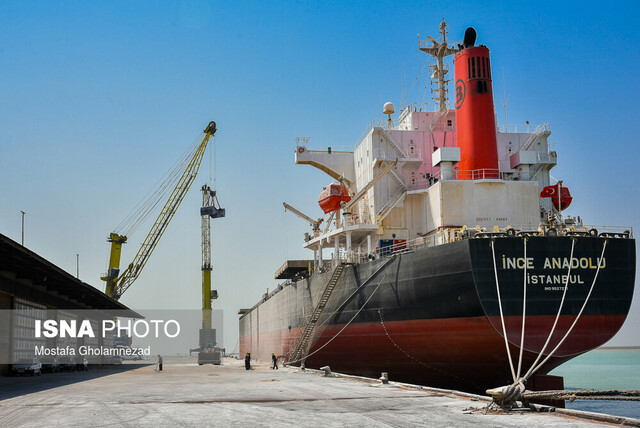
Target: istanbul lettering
{"x": 553, "y": 263}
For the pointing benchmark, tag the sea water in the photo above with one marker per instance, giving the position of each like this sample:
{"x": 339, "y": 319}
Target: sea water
{"x": 604, "y": 369}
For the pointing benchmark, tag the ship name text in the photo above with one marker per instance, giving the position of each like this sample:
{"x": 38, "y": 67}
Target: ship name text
{"x": 553, "y": 263}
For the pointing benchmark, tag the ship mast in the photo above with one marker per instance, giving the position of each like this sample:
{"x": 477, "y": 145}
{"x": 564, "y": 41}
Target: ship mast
{"x": 439, "y": 50}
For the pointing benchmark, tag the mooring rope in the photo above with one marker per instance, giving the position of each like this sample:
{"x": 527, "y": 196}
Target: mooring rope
{"x": 555, "y": 322}
{"x": 293, "y": 340}
{"x": 347, "y": 324}
{"x": 524, "y": 307}
{"x": 504, "y": 330}
{"x": 575, "y": 321}
{"x": 585, "y": 394}
{"x": 506, "y": 396}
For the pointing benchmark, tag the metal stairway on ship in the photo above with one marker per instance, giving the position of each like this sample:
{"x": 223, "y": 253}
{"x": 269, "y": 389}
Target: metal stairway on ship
{"x": 311, "y": 324}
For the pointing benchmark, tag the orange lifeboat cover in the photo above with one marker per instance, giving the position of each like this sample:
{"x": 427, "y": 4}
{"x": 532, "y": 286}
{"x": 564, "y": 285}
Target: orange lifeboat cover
{"x": 552, "y": 192}
{"x": 330, "y": 198}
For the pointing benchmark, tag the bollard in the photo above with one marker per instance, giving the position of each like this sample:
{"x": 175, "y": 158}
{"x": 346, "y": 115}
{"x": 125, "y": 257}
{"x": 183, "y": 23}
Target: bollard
{"x": 327, "y": 371}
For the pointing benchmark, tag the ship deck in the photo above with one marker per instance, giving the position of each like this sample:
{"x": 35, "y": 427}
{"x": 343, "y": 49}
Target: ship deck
{"x": 186, "y": 394}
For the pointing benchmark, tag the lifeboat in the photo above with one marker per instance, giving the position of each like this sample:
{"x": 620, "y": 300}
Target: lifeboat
{"x": 561, "y": 201}
{"x": 332, "y": 195}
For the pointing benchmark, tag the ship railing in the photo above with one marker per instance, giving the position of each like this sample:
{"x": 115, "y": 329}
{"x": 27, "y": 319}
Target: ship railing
{"x": 419, "y": 183}
{"x": 551, "y": 148}
{"x": 356, "y": 217}
{"x": 304, "y": 142}
{"x": 394, "y": 144}
{"x": 477, "y": 174}
{"x": 448, "y": 234}
{"x": 618, "y": 230}
{"x": 549, "y": 156}
{"x": 474, "y": 174}
{"x": 364, "y": 134}
{"x": 342, "y": 257}
{"x": 404, "y": 113}
{"x": 373, "y": 124}
{"x": 524, "y": 128}
{"x": 386, "y": 125}
{"x": 418, "y": 107}
{"x": 424, "y": 181}
{"x": 413, "y": 153}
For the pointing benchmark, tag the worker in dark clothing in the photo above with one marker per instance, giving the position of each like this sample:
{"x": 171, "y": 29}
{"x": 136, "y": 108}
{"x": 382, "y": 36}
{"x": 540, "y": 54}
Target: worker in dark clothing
{"x": 247, "y": 361}
{"x": 274, "y": 359}
{"x": 159, "y": 363}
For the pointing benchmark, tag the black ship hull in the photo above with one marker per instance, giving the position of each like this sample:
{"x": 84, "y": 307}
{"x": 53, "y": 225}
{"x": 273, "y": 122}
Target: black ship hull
{"x": 432, "y": 316}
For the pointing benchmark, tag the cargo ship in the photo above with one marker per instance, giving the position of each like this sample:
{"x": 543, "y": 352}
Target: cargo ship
{"x": 444, "y": 257}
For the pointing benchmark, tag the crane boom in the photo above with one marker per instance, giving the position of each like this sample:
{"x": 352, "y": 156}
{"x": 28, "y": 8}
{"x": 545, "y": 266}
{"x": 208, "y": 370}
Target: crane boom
{"x": 388, "y": 167}
{"x": 118, "y": 284}
{"x": 315, "y": 224}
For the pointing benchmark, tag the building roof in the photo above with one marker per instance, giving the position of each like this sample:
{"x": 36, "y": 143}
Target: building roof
{"x": 25, "y": 274}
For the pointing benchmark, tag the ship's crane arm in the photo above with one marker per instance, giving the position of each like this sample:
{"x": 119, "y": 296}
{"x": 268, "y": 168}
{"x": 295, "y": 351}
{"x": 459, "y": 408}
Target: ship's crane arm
{"x": 315, "y": 224}
{"x": 118, "y": 284}
{"x": 388, "y": 167}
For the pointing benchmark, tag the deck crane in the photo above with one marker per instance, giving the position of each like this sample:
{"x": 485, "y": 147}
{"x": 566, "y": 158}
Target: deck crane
{"x": 116, "y": 283}
{"x": 315, "y": 224}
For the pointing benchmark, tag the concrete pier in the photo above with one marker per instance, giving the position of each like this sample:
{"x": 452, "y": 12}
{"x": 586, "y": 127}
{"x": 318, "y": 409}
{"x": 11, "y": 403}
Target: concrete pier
{"x": 186, "y": 394}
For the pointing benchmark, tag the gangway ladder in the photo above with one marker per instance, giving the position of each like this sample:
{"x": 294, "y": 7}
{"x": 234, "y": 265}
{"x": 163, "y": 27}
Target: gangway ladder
{"x": 311, "y": 324}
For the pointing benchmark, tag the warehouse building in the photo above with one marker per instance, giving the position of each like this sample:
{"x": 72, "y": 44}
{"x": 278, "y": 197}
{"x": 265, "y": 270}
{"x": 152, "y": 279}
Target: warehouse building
{"x": 30, "y": 288}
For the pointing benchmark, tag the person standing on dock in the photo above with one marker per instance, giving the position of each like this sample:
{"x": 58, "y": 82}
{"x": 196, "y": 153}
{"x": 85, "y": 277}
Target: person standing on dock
{"x": 274, "y": 359}
{"x": 159, "y": 363}
{"x": 247, "y": 361}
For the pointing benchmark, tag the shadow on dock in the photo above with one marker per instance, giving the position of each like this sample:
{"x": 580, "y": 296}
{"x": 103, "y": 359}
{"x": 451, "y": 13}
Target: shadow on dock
{"x": 15, "y": 386}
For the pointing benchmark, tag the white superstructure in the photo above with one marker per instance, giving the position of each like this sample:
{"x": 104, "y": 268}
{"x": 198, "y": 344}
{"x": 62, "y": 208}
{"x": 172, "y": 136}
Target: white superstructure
{"x": 421, "y": 197}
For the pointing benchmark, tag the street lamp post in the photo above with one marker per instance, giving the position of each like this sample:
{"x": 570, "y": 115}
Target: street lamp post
{"x": 23, "y": 213}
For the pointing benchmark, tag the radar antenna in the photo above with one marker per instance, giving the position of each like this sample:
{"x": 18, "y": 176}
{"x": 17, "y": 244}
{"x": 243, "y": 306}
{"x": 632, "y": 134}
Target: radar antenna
{"x": 439, "y": 50}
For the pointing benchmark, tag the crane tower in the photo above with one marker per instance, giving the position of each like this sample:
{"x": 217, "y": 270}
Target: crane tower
{"x": 210, "y": 209}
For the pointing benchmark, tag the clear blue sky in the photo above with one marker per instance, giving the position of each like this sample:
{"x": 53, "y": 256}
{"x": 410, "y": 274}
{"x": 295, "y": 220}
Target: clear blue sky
{"x": 98, "y": 99}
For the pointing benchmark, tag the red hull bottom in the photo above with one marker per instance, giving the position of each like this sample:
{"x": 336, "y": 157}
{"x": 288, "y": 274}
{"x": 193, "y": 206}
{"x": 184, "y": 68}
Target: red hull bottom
{"x": 467, "y": 354}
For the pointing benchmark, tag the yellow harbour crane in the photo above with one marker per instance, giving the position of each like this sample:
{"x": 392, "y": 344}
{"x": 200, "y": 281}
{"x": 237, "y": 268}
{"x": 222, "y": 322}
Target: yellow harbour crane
{"x": 117, "y": 283}
{"x": 207, "y": 351}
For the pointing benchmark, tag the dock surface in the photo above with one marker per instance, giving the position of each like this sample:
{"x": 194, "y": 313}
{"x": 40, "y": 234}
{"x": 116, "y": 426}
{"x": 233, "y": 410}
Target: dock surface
{"x": 185, "y": 394}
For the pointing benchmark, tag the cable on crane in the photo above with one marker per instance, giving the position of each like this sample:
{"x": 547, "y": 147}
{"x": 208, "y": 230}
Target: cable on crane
{"x": 141, "y": 212}
{"x": 162, "y": 189}
{"x": 286, "y": 239}
{"x": 215, "y": 168}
